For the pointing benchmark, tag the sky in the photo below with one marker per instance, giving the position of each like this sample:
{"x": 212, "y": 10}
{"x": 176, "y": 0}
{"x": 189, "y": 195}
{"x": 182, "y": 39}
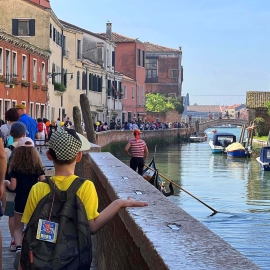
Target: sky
{"x": 225, "y": 43}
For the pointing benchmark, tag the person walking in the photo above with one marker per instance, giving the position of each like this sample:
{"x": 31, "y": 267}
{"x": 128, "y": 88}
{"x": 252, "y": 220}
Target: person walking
{"x": 25, "y": 170}
{"x": 11, "y": 116}
{"x": 42, "y": 130}
{"x": 65, "y": 148}
{"x": 17, "y": 131}
{"x": 137, "y": 149}
{"x": 3, "y": 167}
{"x": 31, "y": 125}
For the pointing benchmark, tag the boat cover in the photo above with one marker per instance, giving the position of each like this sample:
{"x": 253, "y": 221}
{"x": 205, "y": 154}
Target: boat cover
{"x": 265, "y": 154}
{"x": 235, "y": 146}
{"x": 223, "y": 138}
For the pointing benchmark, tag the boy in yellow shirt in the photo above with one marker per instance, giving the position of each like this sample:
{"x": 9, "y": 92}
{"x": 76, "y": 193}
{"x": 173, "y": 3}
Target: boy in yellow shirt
{"x": 65, "y": 148}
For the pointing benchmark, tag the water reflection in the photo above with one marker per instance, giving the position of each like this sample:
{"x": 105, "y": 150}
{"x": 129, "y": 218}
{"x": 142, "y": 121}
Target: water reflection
{"x": 235, "y": 187}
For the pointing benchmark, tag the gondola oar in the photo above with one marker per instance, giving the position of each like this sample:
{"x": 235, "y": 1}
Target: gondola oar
{"x": 215, "y": 211}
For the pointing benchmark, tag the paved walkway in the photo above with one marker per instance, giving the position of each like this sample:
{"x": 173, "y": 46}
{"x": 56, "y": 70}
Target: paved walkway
{"x": 8, "y": 256}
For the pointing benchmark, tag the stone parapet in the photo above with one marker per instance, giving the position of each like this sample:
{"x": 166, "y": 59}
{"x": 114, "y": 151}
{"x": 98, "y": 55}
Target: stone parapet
{"x": 159, "y": 236}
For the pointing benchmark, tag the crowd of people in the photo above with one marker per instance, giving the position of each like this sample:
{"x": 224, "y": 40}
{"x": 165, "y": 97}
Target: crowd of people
{"x": 35, "y": 204}
{"x": 137, "y": 124}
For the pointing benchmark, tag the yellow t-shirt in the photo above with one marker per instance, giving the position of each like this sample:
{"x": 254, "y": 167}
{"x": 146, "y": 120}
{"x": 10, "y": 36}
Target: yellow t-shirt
{"x": 87, "y": 193}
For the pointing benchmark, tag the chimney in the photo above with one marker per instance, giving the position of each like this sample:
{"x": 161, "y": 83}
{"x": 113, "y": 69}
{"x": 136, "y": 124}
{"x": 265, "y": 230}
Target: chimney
{"x": 109, "y": 30}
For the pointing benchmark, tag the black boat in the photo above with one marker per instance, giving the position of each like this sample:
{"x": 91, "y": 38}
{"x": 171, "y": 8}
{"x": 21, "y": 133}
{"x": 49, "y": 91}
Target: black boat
{"x": 152, "y": 176}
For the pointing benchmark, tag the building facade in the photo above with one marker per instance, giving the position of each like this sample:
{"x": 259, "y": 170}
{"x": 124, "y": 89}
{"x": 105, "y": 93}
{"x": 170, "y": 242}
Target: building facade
{"x": 23, "y": 73}
{"x": 164, "y": 71}
{"x": 130, "y": 60}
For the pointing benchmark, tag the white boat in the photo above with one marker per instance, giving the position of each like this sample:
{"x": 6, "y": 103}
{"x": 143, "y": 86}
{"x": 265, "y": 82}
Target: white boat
{"x": 220, "y": 141}
{"x": 198, "y": 137}
{"x": 264, "y": 158}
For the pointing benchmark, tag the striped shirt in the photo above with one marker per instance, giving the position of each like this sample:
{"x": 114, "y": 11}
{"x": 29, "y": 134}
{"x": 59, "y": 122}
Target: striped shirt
{"x": 137, "y": 147}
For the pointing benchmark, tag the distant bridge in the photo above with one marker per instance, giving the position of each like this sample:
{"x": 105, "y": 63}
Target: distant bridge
{"x": 219, "y": 122}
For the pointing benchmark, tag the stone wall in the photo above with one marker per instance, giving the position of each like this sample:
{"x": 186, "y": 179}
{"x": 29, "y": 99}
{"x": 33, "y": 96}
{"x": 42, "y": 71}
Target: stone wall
{"x": 159, "y": 236}
{"x": 169, "y": 135}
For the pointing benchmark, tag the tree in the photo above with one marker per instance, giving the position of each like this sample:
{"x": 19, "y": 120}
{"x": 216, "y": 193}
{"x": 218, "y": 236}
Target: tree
{"x": 160, "y": 103}
{"x": 267, "y": 104}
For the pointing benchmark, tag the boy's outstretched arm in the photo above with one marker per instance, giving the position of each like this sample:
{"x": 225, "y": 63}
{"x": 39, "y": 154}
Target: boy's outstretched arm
{"x": 108, "y": 213}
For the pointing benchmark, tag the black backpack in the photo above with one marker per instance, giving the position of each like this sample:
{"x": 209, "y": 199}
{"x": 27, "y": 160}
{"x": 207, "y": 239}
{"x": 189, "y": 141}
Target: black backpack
{"x": 73, "y": 247}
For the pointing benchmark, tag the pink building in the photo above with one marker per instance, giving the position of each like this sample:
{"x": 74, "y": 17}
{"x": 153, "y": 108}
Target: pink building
{"x": 130, "y": 60}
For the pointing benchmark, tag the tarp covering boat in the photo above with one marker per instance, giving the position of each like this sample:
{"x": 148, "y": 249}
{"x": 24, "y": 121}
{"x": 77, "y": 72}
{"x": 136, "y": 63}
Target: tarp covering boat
{"x": 223, "y": 139}
{"x": 265, "y": 154}
{"x": 235, "y": 146}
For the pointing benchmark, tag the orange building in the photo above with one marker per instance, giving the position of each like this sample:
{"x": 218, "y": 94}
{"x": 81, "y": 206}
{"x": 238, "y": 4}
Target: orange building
{"x": 23, "y": 75}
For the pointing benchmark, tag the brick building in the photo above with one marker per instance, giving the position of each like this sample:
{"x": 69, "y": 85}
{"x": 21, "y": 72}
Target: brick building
{"x": 23, "y": 75}
{"x": 164, "y": 71}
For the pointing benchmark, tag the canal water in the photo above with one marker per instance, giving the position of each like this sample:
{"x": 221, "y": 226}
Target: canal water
{"x": 236, "y": 188}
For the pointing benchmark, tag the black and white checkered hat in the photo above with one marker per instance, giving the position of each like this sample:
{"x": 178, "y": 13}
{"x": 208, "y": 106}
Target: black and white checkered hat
{"x": 66, "y": 143}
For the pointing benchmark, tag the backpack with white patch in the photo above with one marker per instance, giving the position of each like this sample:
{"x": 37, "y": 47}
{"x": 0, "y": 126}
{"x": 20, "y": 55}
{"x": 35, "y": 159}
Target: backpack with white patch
{"x": 73, "y": 247}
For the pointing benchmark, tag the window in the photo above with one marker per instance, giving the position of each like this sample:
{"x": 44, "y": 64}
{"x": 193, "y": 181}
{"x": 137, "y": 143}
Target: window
{"x": 139, "y": 57}
{"x": 151, "y": 67}
{"x": 51, "y": 30}
{"x": 14, "y": 103}
{"x": 34, "y": 70}
{"x": 79, "y": 51}
{"x": 24, "y": 67}
{"x": 64, "y": 46}
{"x": 32, "y": 109}
{"x": 43, "y": 73}
{"x": 84, "y": 81}
{"x": 132, "y": 92}
{"x": 1, "y": 60}
{"x": 7, "y": 65}
{"x": 6, "y": 105}
{"x": 138, "y": 95}
{"x": 143, "y": 58}
{"x": 125, "y": 92}
{"x": 54, "y": 34}
{"x": 78, "y": 80}
{"x": 143, "y": 97}
{"x": 173, "y": 73}
{"x": 53, "y": 113}
{"x": 14, "y": 64}
{"x": 113, "y": 58}
{"x": 108, "y": 58}
{"x": 23, "y": 27}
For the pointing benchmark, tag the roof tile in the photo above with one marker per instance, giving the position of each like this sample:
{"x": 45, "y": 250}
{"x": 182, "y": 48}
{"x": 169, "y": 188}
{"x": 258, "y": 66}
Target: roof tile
{"x": 257, "y": 99}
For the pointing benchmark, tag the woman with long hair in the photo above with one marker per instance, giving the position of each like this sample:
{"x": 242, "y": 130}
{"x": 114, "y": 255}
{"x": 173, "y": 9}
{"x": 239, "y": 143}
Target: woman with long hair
{"x": 25, "y": 169}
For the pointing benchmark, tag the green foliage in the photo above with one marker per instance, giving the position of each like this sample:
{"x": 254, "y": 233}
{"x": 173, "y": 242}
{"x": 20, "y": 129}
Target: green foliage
{"x": 160, "y": 103}
{"x": 259, "y": 126}
{"x": 267, "y": 104}
{"x": 59, "y": 87}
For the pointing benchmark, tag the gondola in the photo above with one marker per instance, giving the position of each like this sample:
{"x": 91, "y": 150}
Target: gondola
{"x": 154, "y": 179}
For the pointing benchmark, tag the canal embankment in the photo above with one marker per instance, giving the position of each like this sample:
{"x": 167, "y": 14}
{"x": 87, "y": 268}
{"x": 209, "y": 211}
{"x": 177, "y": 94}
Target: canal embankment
{"x": 159, "y": 236}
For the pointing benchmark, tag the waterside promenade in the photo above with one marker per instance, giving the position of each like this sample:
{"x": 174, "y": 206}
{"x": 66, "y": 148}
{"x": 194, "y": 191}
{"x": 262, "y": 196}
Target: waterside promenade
{"x": 8, "y": 256}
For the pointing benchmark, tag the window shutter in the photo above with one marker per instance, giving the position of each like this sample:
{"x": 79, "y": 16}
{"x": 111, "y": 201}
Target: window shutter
{"x": 100, "y": 84}
{"x": 32, "y": 27}
{"x": 113, "y": 58}
{"x": 182, "y": 74}
{"x": 50, "y": 30}
{"x": 15, "y": 27}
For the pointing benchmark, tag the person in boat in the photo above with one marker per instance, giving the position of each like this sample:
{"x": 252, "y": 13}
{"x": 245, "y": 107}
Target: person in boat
{"x": 137, "y": 149}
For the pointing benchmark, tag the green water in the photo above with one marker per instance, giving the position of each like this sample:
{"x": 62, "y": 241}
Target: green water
{"x": 235, "y": 187}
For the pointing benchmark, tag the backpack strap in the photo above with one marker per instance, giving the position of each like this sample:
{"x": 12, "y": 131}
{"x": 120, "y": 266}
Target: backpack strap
{"x": 66, "y": 194}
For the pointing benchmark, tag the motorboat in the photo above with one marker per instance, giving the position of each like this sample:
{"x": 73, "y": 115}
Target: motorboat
{"x": 198, "y": 137}
{"x": 264, "y": 158}
{"x": 220, "y": 141}
{"x": 237, "y": 150}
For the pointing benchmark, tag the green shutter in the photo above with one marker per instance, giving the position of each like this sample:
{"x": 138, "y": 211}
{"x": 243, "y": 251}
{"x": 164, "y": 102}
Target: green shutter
{"x": 15, "y": 27}
{"x": 32, "y": 27}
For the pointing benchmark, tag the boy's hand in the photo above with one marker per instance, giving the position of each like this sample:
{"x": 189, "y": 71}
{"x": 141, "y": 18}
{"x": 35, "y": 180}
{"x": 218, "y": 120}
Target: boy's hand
{"x": 131, "y": 203}
{"x": 6, "y": 183}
